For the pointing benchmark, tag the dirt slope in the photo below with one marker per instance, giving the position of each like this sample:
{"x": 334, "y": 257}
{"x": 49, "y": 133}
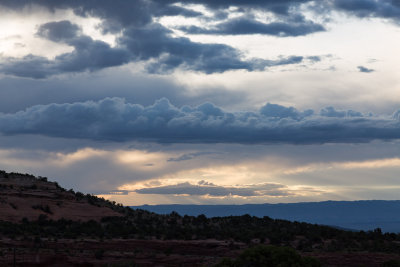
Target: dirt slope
{"x": 24, "y": 196}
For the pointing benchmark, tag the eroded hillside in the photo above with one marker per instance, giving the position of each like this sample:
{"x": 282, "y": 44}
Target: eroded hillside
{"x": 25, "y": 196}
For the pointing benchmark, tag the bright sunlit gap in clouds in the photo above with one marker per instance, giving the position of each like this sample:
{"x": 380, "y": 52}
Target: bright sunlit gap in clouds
{"x": 294, "y": 183}
{"x": 18, "y": 36}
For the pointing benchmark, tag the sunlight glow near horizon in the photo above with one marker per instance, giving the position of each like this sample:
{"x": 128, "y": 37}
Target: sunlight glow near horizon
{"x": 156, "y": 171}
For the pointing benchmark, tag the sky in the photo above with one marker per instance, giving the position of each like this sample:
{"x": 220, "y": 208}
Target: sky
{"x": 203, "y": 102}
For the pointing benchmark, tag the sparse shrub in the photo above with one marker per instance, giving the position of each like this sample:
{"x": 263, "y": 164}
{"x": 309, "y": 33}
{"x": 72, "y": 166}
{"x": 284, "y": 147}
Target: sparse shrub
{"x": 99, "y": 254}
{"x": 34, "y": 187}
{"x": 45, "y": 208}
{"x": 391, "y": 263}
{"x": 43, "y": 179}
{"x": 270, "y": 256}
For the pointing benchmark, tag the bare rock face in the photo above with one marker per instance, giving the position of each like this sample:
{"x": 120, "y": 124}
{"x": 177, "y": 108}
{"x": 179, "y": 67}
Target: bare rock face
{"x": 25, "y": 196}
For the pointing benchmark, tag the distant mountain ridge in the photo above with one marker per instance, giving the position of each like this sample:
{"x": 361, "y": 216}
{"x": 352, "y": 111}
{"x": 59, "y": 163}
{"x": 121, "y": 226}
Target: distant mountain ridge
{"x": 357, "y": 215}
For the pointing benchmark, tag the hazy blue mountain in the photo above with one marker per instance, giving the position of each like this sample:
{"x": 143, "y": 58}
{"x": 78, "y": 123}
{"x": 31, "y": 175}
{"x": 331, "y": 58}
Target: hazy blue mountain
{"x": 357, "y": 215}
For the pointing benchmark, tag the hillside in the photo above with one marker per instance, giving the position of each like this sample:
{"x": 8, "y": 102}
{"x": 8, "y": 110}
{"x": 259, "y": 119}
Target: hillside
{"x": 25, "y": 196}
{"x": 44, "y": 224}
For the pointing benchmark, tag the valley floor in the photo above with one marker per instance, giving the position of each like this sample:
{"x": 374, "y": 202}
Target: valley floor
{"x": 133, "y": 252}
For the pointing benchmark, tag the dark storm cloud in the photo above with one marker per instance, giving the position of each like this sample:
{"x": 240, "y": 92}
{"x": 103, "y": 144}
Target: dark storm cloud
{"x": 29, "y": 66}
{"x": 204, "y": 188}
{"x": 88, "y": 54}
{"x": 115, "y": 120}
{"x": 60, "y": 31}
{"x": 190, "y": 156}
{"x": 332, "y": 112}
{"x": 144, "y": 40}
{"x": 155, "y": 41}
{"x": 117, "y": 12}
{"x": 91, "y": 55}
{"x": 364, "y": 69}
{"x": 276, "y": 6}
{"x": 370, "y": 8}
{"x": 361, "y": 8}
{"x": 140, "y": 11}
{"x": 278, "y": 111}
{"x": 175, "y": 11}
{"x": 136, "y": 44}
{"x": 250, "y": 26}
{"x": 120, "y": 14}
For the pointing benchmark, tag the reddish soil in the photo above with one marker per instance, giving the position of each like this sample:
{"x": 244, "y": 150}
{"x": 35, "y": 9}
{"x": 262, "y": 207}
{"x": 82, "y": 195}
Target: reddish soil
{"x": 354, "y": 259}
{"x": 116, "y": 252}
{"x": 27, "y": 197}
{"x": 119, "y": 252}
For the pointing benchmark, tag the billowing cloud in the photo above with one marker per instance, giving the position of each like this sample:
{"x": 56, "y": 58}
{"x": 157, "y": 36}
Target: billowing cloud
{"x": 332, "y": 112}
{"x": 277, "y": 6}
{"x": 153, "y": 42}
{"x": 278, "y": 111}
{"x": 138, "y": 11}
{"x": 118, "y": 13}
{"x": 250, "y": 26}
{"x": 204, "y": 188}
{"x": 141, "y": 39}
{"x": 389, "y": 9}
{"x": 29, "y": 66}
{"x": 18, "y": 93}
{"x": 88, "y": 54}
{"x": 115, "y": 120}
{"x": 60, "y": 31}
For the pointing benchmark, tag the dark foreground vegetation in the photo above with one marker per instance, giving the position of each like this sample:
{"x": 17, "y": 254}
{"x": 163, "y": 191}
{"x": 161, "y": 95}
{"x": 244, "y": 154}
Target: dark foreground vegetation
{"x": 269, "y": 256}
{"x": 139, "y": 224}
{"x": 282, "y": 240}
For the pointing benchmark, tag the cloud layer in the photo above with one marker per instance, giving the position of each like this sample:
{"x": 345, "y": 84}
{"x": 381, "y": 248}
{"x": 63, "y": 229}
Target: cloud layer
{"x": 389, "y": 9}
{"x": 152, "y": 44}
{"x": 88, "y": 54}
{"x": 142, "y": 39}
{"x": 115, "y": 120}
{"x": 204, "y": 188}
{"x": 243, "y": 26}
